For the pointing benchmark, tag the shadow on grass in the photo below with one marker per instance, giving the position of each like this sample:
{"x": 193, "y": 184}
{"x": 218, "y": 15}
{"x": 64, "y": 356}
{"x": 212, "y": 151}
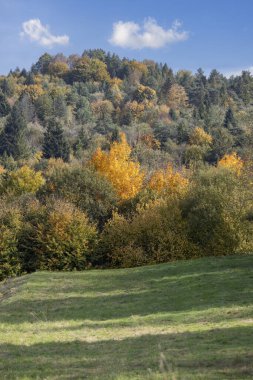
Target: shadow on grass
{"x": 219, "y": 354}
{"x": 153, "y": 293}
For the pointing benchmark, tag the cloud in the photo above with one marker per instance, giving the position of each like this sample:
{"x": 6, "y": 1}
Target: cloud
{"x": 151, "y": 35}
{"x": 36, "y": 31}
{"x": 237, "y": 72}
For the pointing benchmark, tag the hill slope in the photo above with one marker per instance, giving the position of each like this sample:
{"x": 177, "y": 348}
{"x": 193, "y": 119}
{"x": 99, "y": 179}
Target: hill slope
{"x": 185, "y": 320}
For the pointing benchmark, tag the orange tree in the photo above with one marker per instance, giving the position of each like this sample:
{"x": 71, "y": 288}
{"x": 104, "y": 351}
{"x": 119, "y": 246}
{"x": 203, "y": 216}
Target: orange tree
{"x": 116, "y": 165}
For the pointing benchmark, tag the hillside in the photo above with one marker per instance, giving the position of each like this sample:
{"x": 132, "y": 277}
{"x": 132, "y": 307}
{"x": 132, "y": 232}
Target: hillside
{"x": 114, "y": 162}
{"x": 183, "y": 320}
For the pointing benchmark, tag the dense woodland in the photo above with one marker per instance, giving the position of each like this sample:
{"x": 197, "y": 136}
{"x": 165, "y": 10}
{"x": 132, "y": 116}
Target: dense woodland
{"x": 110, "y": 162}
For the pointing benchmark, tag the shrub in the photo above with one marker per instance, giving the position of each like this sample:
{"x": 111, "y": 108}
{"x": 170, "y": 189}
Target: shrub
{"x": 215, "y": 211}
{"x": 156, "y": 233}
{"x": 10, "y": 225}
{"x": 84, "y": 188}
{"x": 56, "y": 237}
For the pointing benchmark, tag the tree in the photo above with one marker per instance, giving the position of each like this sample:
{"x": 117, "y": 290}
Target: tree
{"x": 198, "y": 95}
{"x": 42, "y": 65}
{"x": 13, "y": 142}
{"x": 91, "y": 192}
{"x": 55, "y": 143}
{"x": 200, "y": 144}
{"x": 58, "y": 68}
{"x": 215, "y": 212}
{"x": 102, "y": 111}
{"x": 168, "y": 181}
{"x": 4, "y": 105}
{"x": 230, "y": 122}
{"x": 89, "y": 69}
{"x": 167, "y": 84}
{"x": 82, "y": 110}
{"x": 44, "y": 107}
{"x": 144, "y": 93}
{"x": 116, "y": 165}
{"x": 177, "y": 97}
{"x": 200, "y": 137}
{"x": 22, "y": 180}
{"x": 232, "y": 162}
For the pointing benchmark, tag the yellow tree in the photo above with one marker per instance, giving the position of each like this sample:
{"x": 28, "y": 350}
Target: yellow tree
{"x": 144, "y": 93}
{"x": 199, "y": 144}
{"x": 58, "y": 68}
{"x": 25, "y": 180}
{"x": 116, "y": 165}
{"x": 2, "y": 170}
{"x": 232, "y": 162}
{"x": 177, "y": 97}
{"x": 168, "y": 180}
{"x": 33, "y": 91}
{"x": 135, "y": 109}
{"x": 102, "y": 108}
{"x": 200, "y": 137}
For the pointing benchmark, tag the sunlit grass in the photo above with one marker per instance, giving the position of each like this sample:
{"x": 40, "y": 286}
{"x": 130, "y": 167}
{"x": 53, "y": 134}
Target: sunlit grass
{"x": 185, "y": 320}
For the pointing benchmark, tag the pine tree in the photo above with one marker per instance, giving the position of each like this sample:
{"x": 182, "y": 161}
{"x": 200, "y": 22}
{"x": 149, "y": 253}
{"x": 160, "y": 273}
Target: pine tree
{"x": 55, "y": 144}
{"x": 13, "y": 142}
{"x": 229, "y": 121}
{"x": 4, "y": 105}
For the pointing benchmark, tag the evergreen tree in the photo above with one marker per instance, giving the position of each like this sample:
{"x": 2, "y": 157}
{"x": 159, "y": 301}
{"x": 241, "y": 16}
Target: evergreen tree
{"x": 230, "y": 122}
{"x": 42, "y": 65}
{"x": 13, "y": 142}
{"x": 82, "y": 142}
{"x": 198, "y": 93}
{"x": 235, "y": 130}
{"x": 4, "y": 105}
{"x": 166, "y": 87}
{"x": 55, "y": 144}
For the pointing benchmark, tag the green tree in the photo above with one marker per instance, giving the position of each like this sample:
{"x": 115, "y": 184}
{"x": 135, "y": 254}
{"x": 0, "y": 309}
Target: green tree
{"x": 13, "y": 142}
{"x": 215, "y": 210}
{"x": 4, "y": 105}
{"x": 55, "y": 143}
{"x": 86, "y": 189}
{"x": 42, "y": 66}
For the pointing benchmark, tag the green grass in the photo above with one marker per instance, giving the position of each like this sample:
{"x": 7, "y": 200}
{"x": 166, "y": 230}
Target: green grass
{"x": 184, "y": 320}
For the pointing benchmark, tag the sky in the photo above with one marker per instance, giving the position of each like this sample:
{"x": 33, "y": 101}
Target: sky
{"x": 186, "y": 34}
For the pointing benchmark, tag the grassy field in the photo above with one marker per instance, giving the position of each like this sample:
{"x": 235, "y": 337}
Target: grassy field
{"x": 184, "y": 320}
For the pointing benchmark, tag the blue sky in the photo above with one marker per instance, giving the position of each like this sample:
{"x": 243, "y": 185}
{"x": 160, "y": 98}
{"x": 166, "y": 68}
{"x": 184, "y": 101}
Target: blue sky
{"x": 210, "y": 34}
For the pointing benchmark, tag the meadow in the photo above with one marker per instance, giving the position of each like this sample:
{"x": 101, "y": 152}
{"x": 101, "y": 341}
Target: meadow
{"x": 182, "y": 320}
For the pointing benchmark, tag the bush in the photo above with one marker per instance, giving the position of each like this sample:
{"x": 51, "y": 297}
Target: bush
{"x": 155, "y": 234}
{"x": 215, "y": 212}
{"x": 10, "y": 225}
{"x": 84, "y": 188}
{"x": 56, "y": 237}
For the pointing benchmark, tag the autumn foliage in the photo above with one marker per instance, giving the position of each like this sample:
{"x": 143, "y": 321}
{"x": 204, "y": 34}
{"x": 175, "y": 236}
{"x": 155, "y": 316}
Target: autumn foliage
{"x": 200, "y": 137}
{"x": 168, "y": 180}
{"x": 117, "y": 166}
{"x": 232, "y": 162}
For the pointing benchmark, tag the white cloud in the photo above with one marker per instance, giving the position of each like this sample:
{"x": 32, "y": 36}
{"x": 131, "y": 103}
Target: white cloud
{"x": 36, "y": 31}
{"x": 151, "y": 35}
{"x": 238, "y": 71}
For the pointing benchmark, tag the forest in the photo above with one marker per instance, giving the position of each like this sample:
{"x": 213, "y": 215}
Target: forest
{"x": 107, "y": 162}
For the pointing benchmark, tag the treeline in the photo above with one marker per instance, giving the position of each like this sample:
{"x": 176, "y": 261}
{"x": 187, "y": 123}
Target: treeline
{"x": 114, "y": 162}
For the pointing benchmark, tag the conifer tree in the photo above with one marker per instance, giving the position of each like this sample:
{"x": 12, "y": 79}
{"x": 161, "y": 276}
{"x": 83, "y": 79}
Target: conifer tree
{"x": 229, "y": 121}
{"x": 55, "y": 144}
{"x": 4, "y": 106}
{"x": 13, "y": 142}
